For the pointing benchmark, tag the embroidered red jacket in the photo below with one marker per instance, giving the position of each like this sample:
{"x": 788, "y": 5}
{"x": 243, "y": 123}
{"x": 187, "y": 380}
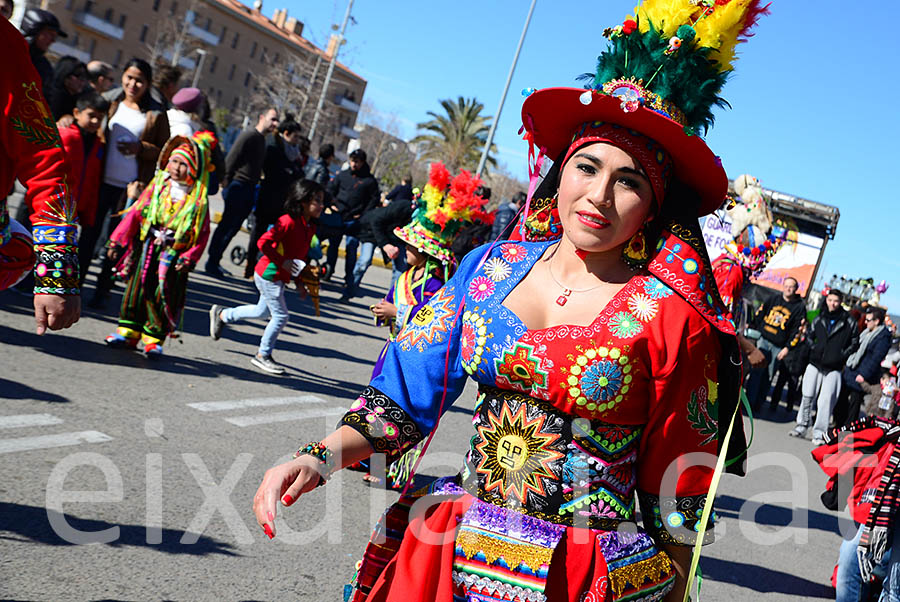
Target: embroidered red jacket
{"x": 31, "y": 150}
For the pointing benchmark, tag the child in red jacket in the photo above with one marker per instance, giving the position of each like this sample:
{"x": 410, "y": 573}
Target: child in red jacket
{"x": 84, "y": 151}
{"x": 285, "y": 248}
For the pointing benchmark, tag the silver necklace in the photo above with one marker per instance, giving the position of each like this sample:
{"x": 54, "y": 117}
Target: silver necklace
{"x": 564, "y": 297}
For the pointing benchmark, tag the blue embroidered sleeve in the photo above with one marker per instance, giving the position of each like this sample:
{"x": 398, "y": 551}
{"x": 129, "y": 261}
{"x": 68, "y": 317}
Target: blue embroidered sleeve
{"x": 404, "y": 402}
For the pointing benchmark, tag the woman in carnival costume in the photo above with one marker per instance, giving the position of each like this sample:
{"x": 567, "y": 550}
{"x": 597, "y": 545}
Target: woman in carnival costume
{"x": 444, "y": 208}
{"x": 602, "y": 350}
{"x": 159, "y": 241}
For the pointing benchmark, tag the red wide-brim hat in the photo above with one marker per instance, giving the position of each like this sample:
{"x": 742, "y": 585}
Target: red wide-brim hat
{"x": 554, "y": 115}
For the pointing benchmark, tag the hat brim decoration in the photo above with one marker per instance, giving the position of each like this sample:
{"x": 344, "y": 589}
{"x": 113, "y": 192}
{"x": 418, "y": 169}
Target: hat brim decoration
{"x": 660, "y": 77}
{"x": 444, "y": 208}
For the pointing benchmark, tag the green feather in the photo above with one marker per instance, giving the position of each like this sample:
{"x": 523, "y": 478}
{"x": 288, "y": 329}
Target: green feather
{"x": 687, "y": 78}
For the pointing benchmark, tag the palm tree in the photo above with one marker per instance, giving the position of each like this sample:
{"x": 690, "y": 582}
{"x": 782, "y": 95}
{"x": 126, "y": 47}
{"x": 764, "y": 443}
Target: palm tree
{"x": 458, "y": 137}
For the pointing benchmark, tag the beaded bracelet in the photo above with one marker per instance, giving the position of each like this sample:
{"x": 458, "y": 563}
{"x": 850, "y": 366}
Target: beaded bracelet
{"x": 317, "y": 450}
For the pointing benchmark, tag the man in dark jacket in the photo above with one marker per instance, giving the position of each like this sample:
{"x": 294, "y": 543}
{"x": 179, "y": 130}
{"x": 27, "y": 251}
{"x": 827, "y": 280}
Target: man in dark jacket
{"x": 778, "y": 320}
{"x": 864, "y": 366}
{"x": 832, "y": 338}
{"x": 243, "y": 168}
{"x": 505, "y": 217}
{"x": 279, "y": 172}
{"x": 41, "y": 28}
{"x": 317, "y": 169}
{"x": 377, "y": 231}
{"x": 353, "y": 192}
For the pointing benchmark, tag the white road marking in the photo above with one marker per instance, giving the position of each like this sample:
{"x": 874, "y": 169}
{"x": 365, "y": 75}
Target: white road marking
{"x": 23, "y": 420}
{"x": 284, "y": 416}
{"x": 219, "y": 406}
{"x": 48, "y": 441}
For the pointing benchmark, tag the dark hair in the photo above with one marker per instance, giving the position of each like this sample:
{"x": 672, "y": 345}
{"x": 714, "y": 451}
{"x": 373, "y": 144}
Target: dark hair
{"x": 359, "y": 154}
{"x": 167, "y": 75}
{"x": 837, "y": 293}
{"x": 484, "y": 192}
{"x": 326, "y": 151}
{"x": 289, "y": 127}
{"x": 519, "y": 198}
{"x": 91, "y": 100}
{"x": 98, "y": 69}
{"x": 300, "y": 193}
{"x": 407, "y": 178}
{"x": 142, "y": 66}
{"x": 877, "y": 313}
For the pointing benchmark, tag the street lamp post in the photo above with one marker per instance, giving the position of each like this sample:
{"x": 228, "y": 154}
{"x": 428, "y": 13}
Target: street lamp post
{"x": 337, "y": 48}
{"x": 512, "y": 68}
{"x": 199, "y": 68}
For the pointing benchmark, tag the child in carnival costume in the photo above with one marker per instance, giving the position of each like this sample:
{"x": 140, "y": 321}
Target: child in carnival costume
{"x": 442, "y": 210}
{"x": 159, "y": 241}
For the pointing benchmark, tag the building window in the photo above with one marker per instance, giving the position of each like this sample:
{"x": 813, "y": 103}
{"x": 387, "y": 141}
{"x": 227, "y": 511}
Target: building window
{"x": 247, "y": 79}
{"x": 224, "y": 31}
{"x": 88, "y": 6}
{"x": 276, "y": 58}
{"x": 173, "y": 9}
{"x": 253, "y": 50}
{"x": 108, "y": 15}
{"x": 92, "y": 46}
{"x": 234, "y": 103}
{"x": 231, "y": 73}
{"x": 122, "y": 21}
{"x": 156, "y": 6}
{"x": 118, "y": 58}
{"x": 212, "y": 65}
{"x": 219, "y": 95}
{"x": 208, "y": 24}
{"x": 144, "y": 30}
{"x": 234, "y": 42}
{"x": 262, "y": 57}
{"x": 69, "y": 4}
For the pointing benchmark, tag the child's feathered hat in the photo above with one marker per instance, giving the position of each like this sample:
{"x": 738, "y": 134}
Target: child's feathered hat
{"x": 653, "y": 93}
{"x": 443, "y": 209}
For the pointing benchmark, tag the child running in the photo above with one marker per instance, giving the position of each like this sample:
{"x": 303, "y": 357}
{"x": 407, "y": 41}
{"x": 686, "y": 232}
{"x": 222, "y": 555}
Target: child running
{"x": 285, "y": 249}
{"x": 159, "y": 241}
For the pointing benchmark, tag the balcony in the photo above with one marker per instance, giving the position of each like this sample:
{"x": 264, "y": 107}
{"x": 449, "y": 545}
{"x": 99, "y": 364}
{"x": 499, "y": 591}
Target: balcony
{"x": 349, "y": 132}
{"x": 345, "y": 103}
{"x": 98, "y": 25}
{"x": 198, "y": 32}
{"x": 183, "y": 61}
{"x": 63, "y": 49}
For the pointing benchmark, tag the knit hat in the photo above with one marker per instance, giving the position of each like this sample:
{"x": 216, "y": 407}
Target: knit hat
{"x": 652, "y": 94}
{"x": 186, "y": 151}
{"x": 443, "y": 209}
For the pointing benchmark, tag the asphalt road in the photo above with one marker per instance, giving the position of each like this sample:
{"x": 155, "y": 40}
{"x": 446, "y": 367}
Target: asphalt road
{"x": 123, "y": 478}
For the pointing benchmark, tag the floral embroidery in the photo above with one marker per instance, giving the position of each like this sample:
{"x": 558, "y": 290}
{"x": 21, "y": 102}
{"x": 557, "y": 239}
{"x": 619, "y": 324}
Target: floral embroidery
{"x": 599, "y": 379}
{"x": 496, "y": 269}
{"x": 430, "y": 323}
{"x": 602, "y": 380}
{"x": 472, "y": 340}
{"x": 703, "y": 411}
{"x": 520, "y": 370}
{"x": 481, "y": 288}
{"x": 643, "y": 307}
{"x": 512, "y": 252}
{"x": 656, "y": 289}
{"x": 624, "y": 325}
{"x": 384, "y": 424}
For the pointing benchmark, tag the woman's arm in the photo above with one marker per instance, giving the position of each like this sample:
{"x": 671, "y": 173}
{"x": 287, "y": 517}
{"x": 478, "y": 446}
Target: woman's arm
{"x": 155, "y": 136}
{"x": 288, "y": 481}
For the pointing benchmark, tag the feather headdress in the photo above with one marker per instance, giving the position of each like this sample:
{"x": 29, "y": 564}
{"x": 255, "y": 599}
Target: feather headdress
{"x": 446, "y": 205}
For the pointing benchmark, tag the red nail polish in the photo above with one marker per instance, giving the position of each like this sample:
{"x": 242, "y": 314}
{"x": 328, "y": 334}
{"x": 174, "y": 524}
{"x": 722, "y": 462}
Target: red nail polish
{"x": 270, "y": 516}
{"x": 268, "y": 531}
{"x": 287, "y": 500}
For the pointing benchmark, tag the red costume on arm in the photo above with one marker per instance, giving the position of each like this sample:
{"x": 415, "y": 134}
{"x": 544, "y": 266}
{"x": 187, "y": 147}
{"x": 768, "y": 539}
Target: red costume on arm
{"x": 30, "y": 150}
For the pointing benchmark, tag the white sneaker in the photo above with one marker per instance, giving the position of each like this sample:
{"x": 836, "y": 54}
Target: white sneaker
{"x": 799, "y": 432}
{"x": 266, "y": 364}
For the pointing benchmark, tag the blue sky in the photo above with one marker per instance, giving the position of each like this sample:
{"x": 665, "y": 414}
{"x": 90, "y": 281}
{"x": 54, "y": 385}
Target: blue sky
{"x": 814, "y": 95}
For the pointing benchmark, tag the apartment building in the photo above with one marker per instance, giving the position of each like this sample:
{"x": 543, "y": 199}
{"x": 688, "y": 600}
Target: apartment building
{"x": 233, "y": 52}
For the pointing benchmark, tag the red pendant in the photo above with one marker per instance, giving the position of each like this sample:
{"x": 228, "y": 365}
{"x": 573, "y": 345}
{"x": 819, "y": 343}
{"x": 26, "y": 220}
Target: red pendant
{"x": 563, "y": 298}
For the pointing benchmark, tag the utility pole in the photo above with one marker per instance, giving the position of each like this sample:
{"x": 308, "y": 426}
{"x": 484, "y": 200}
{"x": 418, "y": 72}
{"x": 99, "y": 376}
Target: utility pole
{"x": 337, "y": 48}
{"x": 512, "y": 68}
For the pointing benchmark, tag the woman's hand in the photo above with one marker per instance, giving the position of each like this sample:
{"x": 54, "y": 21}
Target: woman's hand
{"x": 285, "y": 482}
{"x": 384, "y": 310}
{"x": 128, "y": 148}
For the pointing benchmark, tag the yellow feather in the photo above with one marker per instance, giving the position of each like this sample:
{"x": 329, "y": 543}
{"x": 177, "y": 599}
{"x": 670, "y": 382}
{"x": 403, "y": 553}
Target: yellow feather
{"x": 666, "y": 15}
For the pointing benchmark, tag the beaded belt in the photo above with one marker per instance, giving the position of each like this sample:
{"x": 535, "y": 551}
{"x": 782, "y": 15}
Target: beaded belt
{"x": 530, "y": 456}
